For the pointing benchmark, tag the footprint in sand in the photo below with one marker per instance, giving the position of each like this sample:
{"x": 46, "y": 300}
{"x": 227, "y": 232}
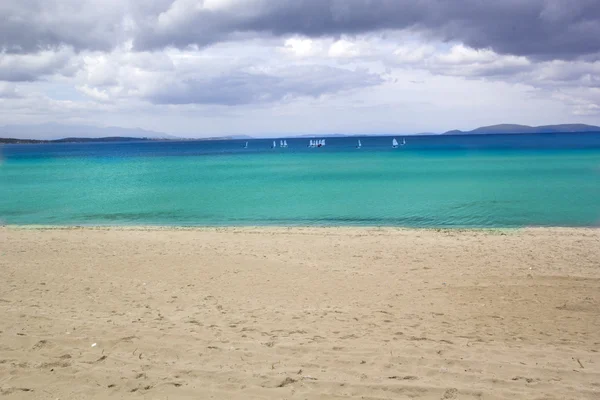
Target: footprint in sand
{"x": 450, "y": 394}
{"x": 40, "y": 345}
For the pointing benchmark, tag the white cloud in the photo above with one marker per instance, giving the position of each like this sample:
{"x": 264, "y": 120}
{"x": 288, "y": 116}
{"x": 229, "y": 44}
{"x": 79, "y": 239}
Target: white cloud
{"x": 460, "y": 54}
{"x": 460, "y": 61}
{"x": 180, "y": 12}
{"x": 413, "y": 54}
{"x": 583, "y": 101}
{"x": 8, "y": 90}
{"x": 302, "y": 47}
{"x": 215, "y": 5}
{"x": 95, "y": 93}
{"x": 586, "y": 109}
{"x": 344, "y": 48}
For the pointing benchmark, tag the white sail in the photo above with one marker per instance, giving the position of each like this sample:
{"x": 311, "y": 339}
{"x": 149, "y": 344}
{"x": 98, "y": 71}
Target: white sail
{"x": 246, "y": 145}
{"x": 281, "y": 143}
{"x": 323, "y": 142}
{"x": 285, "y": 143}
{"x": 395, "y": 143}
{"x": 359, "y": 144}
{"x": 274, "y": 144}
{"x": 311, "y": 143}
{"x": 403, "y": 141}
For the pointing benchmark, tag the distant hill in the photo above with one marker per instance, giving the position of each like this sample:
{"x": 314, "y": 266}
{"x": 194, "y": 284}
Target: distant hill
{"x": 322, "y": 135}
{"x": 73, "y": 140}
{"x": 516, "y": 129}
{"x": 232, "y": 137}
{"x": 54, "y": 131}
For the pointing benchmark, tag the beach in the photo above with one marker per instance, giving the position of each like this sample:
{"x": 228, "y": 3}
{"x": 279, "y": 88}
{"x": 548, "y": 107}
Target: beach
{"x": 299, "y": 313}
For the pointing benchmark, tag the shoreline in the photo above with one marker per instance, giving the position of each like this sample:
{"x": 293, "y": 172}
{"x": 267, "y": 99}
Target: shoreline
{"x": 276, "y": 313}
{"x": 385, "y": 228}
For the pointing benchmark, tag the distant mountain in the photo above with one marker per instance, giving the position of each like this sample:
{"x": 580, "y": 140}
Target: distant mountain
{"x": 325, "y": 135}
{"x": 73, "y": 140}
{"x": 231, "y": 137}
{"x": 53, "y": 131}
{"x": 516, "y": 129}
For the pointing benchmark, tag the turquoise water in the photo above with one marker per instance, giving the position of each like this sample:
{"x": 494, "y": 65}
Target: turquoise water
{"x": 202, "y": 183}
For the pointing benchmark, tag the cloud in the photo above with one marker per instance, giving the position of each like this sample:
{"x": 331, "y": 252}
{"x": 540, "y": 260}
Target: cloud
{"x": 238, "y": 88}
{"x": 461, "y": 61}
{"x": 225, "y": 75}
{"x": 8, "y": 90}
{"x": 413, "y": 54}
{"x": 583, "y": 101}
{"x": 467, "y": 62}
{"x": 575, "y": 83}
{"x": 28, "y": 26}
{"x": 302, "y": 47}
{"x": 30, "y": 67}
{"x": 541, "y": 29}
{"x": 587, "y": 109}
{"x": 344, "y": 49}
{"x": 546, "y": 29}
{"x": 561, "y": 73}
{"x": 94, "y": 93}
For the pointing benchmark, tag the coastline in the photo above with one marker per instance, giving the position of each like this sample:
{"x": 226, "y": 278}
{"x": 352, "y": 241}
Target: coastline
{"x": 274, "y": 312}
{"x": 299, "y": 228}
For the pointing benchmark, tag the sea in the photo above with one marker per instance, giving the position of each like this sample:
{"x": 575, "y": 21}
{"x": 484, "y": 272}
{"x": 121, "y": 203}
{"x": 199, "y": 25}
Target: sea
{"x": 468, "y": 181}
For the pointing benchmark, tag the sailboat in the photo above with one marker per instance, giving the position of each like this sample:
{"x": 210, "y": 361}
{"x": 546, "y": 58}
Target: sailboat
{"x": 274, "y": 145}
{"x": 323, "y": 142}
{"x": 285, "y": 143}
{"x": 394, "y": 143}
{"x": 359, "y": 145}
{"x": 311, "y": 143}
{"x": 246, "y": 145}
{"x": 281, "y": 143}
{"x": 403, "y": 141}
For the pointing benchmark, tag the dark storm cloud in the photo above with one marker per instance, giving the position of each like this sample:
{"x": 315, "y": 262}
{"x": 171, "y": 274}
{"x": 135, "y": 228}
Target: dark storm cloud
{"x": 248, "y": 88}
{"x": 539, "y": 28}
{"x": 545, "y": 29}
{"x": 32, "y": 25}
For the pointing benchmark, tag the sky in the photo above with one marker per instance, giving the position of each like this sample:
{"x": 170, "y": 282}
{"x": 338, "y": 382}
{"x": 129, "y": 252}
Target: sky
{"x": 200, "y": 68}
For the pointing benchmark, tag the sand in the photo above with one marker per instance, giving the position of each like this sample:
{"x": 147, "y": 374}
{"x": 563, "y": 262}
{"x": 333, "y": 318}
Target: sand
{"x": 262, "y": 313}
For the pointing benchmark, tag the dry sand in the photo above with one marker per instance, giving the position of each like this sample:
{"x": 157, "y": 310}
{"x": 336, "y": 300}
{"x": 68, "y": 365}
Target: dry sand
{"x": 299, "y": 313}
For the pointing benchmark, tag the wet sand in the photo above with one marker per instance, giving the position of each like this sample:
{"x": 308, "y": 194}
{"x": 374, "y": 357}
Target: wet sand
{"x": 306, "y": 313}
